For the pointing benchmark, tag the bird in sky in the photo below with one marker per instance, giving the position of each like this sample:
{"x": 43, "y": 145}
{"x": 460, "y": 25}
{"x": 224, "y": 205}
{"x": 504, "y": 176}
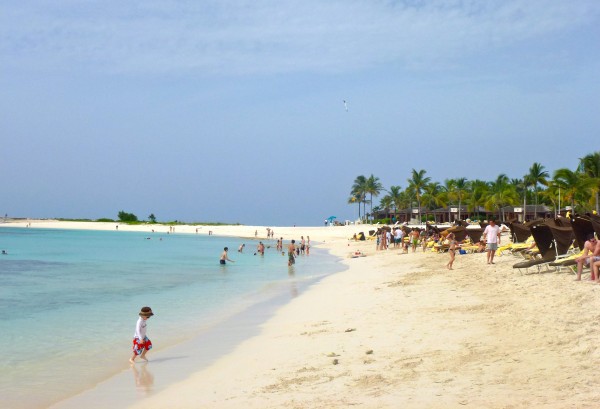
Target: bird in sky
{"x": 346, "y": 105}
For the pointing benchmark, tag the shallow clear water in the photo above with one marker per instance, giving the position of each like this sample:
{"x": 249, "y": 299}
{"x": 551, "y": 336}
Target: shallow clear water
{"x": 69, "y": 300}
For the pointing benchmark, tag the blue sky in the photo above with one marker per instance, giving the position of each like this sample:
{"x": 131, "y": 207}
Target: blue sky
{"x": 232, "y": 110}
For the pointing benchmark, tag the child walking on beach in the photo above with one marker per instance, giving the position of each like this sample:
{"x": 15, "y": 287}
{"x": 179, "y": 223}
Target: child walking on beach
{"x": 141, "y": 343}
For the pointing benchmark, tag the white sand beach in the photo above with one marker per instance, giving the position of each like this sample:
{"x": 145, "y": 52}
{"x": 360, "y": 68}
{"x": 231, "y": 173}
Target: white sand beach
{"x": 401, "y": 331}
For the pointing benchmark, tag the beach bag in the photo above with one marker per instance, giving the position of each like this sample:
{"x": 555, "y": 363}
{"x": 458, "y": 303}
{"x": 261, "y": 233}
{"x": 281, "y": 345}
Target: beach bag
{"x": 461, "y": 251}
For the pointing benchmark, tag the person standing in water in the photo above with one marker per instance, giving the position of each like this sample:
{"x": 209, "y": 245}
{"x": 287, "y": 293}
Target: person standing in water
{"x": 224, "y": 256}
{"x": 141, "y": 343}
{"x": 292, "y": 253}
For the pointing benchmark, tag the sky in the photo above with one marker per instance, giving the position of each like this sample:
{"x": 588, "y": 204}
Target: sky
{"x": 233, "y": 111}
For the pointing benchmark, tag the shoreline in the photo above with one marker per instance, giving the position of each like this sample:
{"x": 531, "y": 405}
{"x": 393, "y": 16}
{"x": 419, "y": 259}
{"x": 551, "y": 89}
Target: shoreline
{"x": 239, "y": 231}
{"x": 234, "y": 330}
{"x": 179, "y": 361}
{"x": 397, "y": 330}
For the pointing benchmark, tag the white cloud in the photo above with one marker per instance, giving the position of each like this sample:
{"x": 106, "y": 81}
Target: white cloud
{"x": 239, "y": 37}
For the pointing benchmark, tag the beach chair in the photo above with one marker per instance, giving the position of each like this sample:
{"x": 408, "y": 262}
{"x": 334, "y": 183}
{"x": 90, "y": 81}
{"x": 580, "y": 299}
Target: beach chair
{"x": 474, "y": 234}
{"x": 595, "y": 219}
{"x": 460, "y": 232}
{"x": 563, "y": 238}
{"x": 582, "y": 227}
{"x": 546, "y": 245}
{"x": 524, "y": 250}
{"x": 568, "y": 262}
{"x": 469, "y": 248}
{"x": 521, "y": 239}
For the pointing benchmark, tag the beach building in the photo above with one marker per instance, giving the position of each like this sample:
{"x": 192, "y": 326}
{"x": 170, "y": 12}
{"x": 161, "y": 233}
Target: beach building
{"x": 531, "y": 212}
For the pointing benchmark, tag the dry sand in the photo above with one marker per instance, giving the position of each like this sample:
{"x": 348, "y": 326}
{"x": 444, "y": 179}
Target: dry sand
{"x": 401, "y": 331}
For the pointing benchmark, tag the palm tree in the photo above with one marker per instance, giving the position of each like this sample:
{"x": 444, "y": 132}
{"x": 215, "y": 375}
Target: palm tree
{"x": 445, "y": 197}
{"x": 590, "y": 166}
{"x": 524, "y": 187}
{"x": 502, "y": 193}
{"x": 551, "y": 194}
{"x": 359, "y": 191}
{"x": 478, "y": 194}
{"x": 355, "y": 199}
{"x": 373, "y": 188}
{"x": 432, "y": 195}
{"x": 384, "y": 204}
{"x": 393, "y": 198}
{"x": 416, "y": 184}
{"x": 572, "y": 185}
{"x": 459, "y": 190}
{"x": 537, "y": 175}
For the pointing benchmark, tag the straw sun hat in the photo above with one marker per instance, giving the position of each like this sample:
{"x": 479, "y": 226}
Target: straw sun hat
{"x": 146, "y": 312}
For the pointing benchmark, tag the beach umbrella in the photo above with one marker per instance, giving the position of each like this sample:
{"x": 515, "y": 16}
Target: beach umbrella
{"x": 330, "y": 218}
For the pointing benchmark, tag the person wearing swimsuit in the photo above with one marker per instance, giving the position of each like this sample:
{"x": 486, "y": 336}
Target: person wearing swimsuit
{"x": 224, "y": 257}
{"x": 292, "y": 253}
{"x": 451, "y": 250}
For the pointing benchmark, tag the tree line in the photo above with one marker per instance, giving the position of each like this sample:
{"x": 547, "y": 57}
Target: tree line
{"x": 578, "y": 188}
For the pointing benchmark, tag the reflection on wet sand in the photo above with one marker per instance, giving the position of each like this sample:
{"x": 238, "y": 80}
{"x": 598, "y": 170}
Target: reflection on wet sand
{"x": 293, "y": 284}
{"x": 144, "y": 380}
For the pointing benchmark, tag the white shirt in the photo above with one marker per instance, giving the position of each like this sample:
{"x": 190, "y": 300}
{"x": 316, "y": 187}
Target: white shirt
{"x": 140, "y": 329}
{"x": 491, "y": 233}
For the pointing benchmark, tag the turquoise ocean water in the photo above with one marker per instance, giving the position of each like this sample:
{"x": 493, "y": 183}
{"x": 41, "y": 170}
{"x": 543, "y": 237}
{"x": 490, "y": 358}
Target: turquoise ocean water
{"x": 69, "y": 300}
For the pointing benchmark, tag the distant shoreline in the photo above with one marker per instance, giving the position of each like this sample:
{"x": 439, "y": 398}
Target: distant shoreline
{"x": 316, "y": 234}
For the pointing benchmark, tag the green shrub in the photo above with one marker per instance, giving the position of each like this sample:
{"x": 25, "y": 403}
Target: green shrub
{"x": 127, "y": 217}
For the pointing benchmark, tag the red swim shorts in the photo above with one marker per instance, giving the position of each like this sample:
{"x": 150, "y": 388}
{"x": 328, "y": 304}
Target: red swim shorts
{"x": 139, "y": 346}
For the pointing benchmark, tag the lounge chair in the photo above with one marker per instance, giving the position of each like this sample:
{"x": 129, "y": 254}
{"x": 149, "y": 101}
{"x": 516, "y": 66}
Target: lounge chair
{"x": 546, "y": 245}
{"x": 564, "y": 239}
{"x": 582, "y": 228}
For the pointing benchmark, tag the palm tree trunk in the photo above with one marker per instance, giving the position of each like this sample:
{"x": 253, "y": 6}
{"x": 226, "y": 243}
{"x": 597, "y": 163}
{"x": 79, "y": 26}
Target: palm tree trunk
{"x": 536, "y": 202}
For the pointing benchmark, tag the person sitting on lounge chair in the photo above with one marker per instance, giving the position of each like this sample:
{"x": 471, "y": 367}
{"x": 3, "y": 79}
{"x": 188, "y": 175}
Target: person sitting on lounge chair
{"x": 592, "y": 245}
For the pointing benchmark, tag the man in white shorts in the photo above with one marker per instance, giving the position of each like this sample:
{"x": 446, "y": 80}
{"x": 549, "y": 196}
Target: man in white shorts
{"x": 492, "y": 239}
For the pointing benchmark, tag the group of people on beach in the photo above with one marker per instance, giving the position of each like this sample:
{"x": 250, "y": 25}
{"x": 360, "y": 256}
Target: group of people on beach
{"x": 405, "y": 237}
{"x": 402, "y": 237}
{"x": 490, "y": 241}
{"x": 293, "y": 250}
